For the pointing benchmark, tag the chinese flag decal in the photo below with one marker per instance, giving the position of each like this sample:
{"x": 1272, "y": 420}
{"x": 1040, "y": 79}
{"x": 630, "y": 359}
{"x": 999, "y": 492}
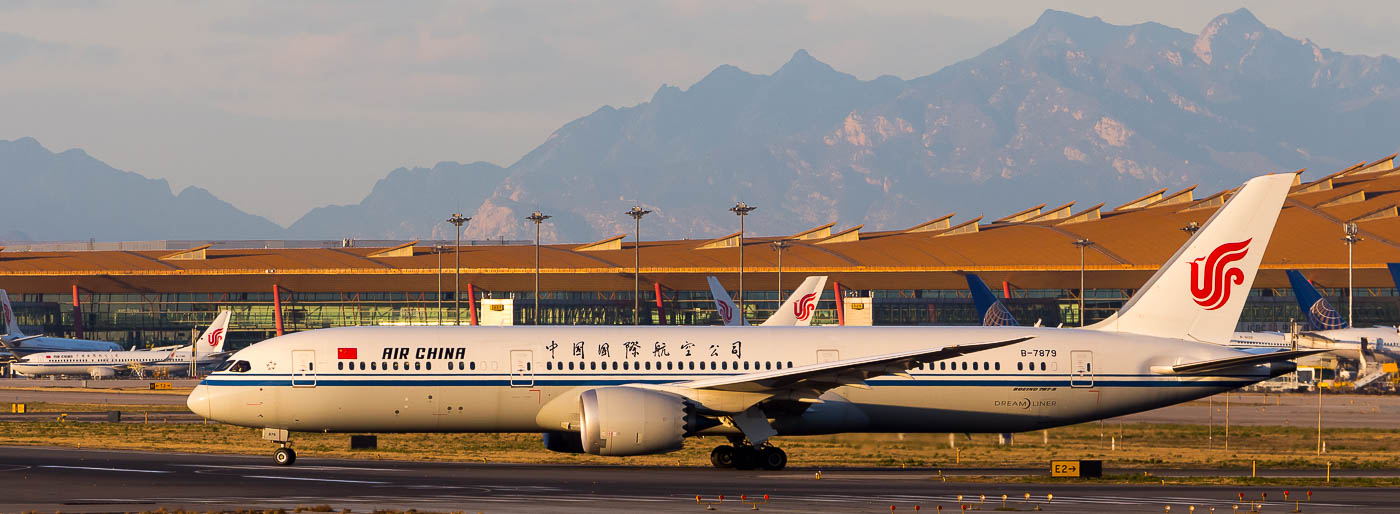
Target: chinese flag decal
{"x": 346, "y": 353}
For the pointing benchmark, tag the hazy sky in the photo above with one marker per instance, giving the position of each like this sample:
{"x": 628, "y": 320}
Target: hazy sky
{"x": 279, "y": 107}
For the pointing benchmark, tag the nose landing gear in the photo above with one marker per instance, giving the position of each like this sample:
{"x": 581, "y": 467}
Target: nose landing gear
{"x": 745, "y": 456}
{"x": 284, "y": 456}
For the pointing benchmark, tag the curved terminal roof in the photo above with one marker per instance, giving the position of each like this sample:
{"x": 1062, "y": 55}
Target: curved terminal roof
{"x": 1130, "y": 242}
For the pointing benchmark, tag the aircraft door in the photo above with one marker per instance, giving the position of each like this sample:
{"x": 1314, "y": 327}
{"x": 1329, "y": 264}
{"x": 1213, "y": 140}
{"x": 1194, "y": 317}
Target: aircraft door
{"x": 522, "y": 372}
{"x": 1081, "y": 368}
{"x": 303, "y": 368}
{"x": 828, "y": 356}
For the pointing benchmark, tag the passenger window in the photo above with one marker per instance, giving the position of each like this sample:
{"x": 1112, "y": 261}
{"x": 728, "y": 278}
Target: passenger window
{"x": 428, "y": 366}
{"x": 1019, "y": 367}
{"x": 311, "y": 366}
{"x": 373, "y": 367}
{"x": 964, "y": 366}
{"x": 986, "y": 366}
{"x": 417, "y": 366}
{"x": 998, "y": 365}
{"x": 624, "y": 366}
{"x": 648, "y": 365}
{"x": 571, "y": 365}
{"x": 396, "y": 366}
{"x": 473, "y": 365}
{"x": 449, "y": 365}
{"x": 789, "y": 364}
{"x": 614, "y": 365}
{"x": 692, "y": 365}
{"x": 668, "y": 365}
{"x": 593, "y": 365}
{"x": 340, "y": 365}
{"x": 724, "y": 366}
{"x": 1042, "y": 366}
{"x": 974, "y": 365}
{"x": 362, "y": 365}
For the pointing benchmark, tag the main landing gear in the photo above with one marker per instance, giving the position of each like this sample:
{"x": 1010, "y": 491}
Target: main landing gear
{"x": 746, "y": 456}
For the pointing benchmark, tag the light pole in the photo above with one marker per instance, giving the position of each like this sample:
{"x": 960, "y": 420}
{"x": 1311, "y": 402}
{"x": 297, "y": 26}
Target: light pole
{"x": 438, "y": 250}
{"x": 1351, "y": 239}
{"x": 742, "y": 209}
{"x": 538, "y": 218}
{"x": 458, "y": 220}
{"x": 780, "y": 245}
{"x": 636, "y": 213}
{"x": 1082, "y": 244}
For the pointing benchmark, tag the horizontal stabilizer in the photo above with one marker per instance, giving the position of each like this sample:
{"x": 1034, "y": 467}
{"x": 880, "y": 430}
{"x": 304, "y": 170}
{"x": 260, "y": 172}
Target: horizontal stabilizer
{"x": 1196, "y": 368}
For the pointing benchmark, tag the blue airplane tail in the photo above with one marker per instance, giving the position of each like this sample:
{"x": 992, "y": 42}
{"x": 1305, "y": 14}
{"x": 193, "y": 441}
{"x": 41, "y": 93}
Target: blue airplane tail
{"x": 989, "y": 308}
{"x": 1394, "y": 272}
{"x": 1320, "y": 314}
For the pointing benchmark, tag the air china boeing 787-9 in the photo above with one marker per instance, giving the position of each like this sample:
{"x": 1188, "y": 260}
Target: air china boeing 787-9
{"x": 642, "y": 390}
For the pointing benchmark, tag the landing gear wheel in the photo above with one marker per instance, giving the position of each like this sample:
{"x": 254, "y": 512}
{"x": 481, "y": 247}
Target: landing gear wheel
{"x": 772, "y": 458}
{"x": 284, "y": 456}
{"x": 745, "y": 457}
{"x": 722, "y": 456}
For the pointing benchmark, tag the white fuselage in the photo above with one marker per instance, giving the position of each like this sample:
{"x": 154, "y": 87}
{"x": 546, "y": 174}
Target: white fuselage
{"x": 1374, "y": 344}
{"x": 56, "y": 344}
{"x": 92, "y": 363}
{"x": 528, "y": 379}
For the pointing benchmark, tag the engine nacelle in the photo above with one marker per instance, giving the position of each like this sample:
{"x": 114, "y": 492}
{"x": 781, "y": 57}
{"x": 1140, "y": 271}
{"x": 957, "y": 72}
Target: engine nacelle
{"x": 102, "y": 372}
{"x": 563, "y": 442}
{"x": 623, "y": 420}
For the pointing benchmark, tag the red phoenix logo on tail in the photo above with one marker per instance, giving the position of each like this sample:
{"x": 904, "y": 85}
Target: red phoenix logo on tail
{"x": 1210, "y": 283}
{"x": 725, "y": 312}
{"x": 215, "y": 336}
{"x": 804, "y": 307}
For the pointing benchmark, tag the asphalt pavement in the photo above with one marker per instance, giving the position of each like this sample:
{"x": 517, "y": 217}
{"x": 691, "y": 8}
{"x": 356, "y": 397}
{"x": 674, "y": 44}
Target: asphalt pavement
{"x": 68, "y": 480}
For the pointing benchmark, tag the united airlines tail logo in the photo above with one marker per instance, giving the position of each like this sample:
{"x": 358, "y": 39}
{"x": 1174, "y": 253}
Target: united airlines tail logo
{"x": 725, "y": 312}
{"x": 215, "y": 336}
{"x": 804, "y": 307}
{"x": 1212, "y": 275}
{"x": 1324, "y": 317}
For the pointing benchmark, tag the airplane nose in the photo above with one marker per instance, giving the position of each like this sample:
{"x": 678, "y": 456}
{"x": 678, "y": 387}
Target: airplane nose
{"x": 198, "y": 401}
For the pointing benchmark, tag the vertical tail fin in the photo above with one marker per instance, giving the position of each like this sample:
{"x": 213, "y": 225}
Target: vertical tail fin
{"x": 212, "y": 340}
{"x": 11, "y": 326}
{"x": 1394, "y": 272}
{"x": 992, "y": 312}
{"x": 724, "y": 305}
{"x": 799, "y": 307}
{"x": 1200, "y": 291}
{"x": 1320, "y": 314}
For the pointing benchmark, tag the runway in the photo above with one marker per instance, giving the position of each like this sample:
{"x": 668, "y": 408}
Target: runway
{"x": 58, "y": 479}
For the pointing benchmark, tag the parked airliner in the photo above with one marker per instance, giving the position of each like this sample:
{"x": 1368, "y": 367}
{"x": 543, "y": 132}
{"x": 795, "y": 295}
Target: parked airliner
{"x": 206, "y": 351}
{"x": 1327, "y": 329}
{"x": 20, "y": 345}
{"x": 797, "y": 310}
{"x": 642, "y": 390}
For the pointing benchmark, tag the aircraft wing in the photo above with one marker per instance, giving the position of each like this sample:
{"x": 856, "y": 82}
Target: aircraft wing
{"x": 20, "y": 339}
{"x": 1196, "y": 368}
{"x": 852, "y": 372}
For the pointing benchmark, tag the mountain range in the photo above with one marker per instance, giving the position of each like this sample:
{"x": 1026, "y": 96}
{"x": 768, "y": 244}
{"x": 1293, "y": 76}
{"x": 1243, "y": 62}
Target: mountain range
{"x": 1071, "y": 108}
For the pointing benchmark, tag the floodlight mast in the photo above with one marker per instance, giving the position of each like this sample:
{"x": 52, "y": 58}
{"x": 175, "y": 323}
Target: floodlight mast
{"x": 538, "y": 218}
{"x": 457, "y": 220}
{"x": 636, "y": 213}
{"x": 742, "y": 210}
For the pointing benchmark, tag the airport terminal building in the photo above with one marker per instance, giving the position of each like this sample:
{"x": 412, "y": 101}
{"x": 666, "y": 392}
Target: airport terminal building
{"x": 160, "y": 292}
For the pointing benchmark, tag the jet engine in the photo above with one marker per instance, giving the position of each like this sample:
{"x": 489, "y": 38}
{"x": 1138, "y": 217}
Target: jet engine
{"x": 102, "y": 372}
{"x": 620, "y": 421}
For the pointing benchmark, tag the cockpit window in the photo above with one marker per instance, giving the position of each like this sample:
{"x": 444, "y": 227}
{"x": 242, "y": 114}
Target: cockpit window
{"x": 225, "y": 366}
{"x": 240, "y": 367}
